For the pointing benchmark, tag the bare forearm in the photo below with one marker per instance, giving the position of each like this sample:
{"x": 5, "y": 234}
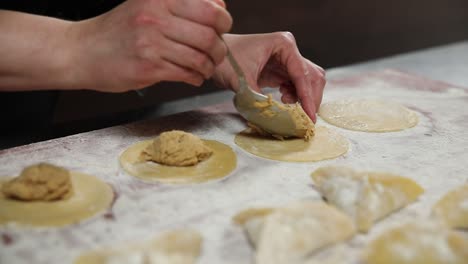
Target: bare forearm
{"x": 136, "y": 44}
{"x": 34, "y": 52}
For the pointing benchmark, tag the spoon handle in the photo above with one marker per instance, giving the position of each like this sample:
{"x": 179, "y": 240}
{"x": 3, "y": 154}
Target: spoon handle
{"x": 243, "y": 87}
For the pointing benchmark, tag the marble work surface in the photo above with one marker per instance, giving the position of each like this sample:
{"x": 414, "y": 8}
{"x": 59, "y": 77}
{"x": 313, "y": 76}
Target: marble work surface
{"x": 433, "y": 153}
{"x": 444, "y": 63}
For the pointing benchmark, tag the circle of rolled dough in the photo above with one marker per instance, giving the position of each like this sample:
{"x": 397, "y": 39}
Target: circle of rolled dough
{"x": 325, "y": 144}
{"x": 368, "y": 115}
{"x": 221, "y": 163}
{"x": 90, "y": 196}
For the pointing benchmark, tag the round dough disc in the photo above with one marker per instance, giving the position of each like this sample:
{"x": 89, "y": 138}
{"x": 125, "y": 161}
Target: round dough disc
{"x": 221, "y": 163}
{"x": 326, "y": 144}
{"x": 90, "y": 196}
{"x": 368, "y": 115}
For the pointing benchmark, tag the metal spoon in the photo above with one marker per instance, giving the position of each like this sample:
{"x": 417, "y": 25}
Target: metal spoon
{"x": 278, "y": 122}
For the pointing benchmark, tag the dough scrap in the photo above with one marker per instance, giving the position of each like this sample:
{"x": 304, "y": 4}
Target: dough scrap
{"x": 177, "y": 148}
{"x": 290, "y": 234}
{"x": 222, "y": 162}
{"x": 90, "y": 196}
{"x": 40, "y": 182}
{"x": 419, "y": 242}
{"x": 365, "y": 196}
{"x": 368, "y": 115}
{"x": 452, "y": 209}
{"x": 326, "y": 144}
{"x": 304, "y": 127}
{"x": 174, "y": 247}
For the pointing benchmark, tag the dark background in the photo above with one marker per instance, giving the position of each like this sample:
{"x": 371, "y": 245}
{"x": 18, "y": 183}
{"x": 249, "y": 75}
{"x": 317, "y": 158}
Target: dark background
{"x": 329, "y": 32}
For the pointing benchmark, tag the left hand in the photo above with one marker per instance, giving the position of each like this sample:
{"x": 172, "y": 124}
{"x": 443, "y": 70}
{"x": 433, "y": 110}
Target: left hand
{"x": 273, "y": 60}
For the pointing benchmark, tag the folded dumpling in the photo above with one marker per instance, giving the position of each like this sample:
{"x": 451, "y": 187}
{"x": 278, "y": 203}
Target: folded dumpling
{"x": 289, "y": 234}
{"x": 365, "y": 196}
{"x": 421, "y": 242}
{"x": 174, "y": 247}
{"x": 452, "y": 209}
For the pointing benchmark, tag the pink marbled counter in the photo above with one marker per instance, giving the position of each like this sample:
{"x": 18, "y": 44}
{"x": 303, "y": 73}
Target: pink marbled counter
{"x": 434, "y": 153}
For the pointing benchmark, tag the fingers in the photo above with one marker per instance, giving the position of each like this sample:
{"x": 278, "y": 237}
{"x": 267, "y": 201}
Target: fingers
{"x": 190, "y": 58}
{"x": 306, "y": 97}
{"x": 175, "y": 56}
{"x": 297, "y": 70}
{"x": 308, "y": 80}
{"x": 146, "y": 42}
{"x": 320, "y": 69}
{"x": 206, "y": 12}
{"x": 174, "y": 72}
{"x": 197, "y": 36}
{"x": 311, "y": 93}
{"x": 318, "y": 84}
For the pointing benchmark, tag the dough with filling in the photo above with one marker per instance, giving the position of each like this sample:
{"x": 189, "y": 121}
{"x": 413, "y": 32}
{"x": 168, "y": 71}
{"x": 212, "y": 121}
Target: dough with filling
{"x": 207, "y": 160}
{"x": 365, "y": 196}
{"x": 418, "y": 243}
{"x": 174, "y": 247}
{"x": 452, "y": 209}
{"x": 292, "y": 233}
{"x": 326, "y": 144}
{"x": 88, "y": 196}
{"x": 368, "y": 115}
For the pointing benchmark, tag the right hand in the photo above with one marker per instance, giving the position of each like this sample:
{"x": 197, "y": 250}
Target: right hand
{"x": 142, "y": 42}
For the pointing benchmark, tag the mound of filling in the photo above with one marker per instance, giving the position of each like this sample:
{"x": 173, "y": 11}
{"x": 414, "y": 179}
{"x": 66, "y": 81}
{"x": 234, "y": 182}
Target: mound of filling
{"x": 40, "y": 182}
{"x": 177, "y": 148}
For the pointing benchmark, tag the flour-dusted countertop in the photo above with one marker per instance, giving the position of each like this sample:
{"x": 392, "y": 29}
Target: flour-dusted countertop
{"x": 446, "y": 63}
{"x": 433, "y": 153}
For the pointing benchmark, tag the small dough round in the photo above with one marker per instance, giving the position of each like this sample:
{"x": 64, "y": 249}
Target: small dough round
{"x": 90, "y": 196}
{"x": 221, "y": 163}
{"x": 368, "y": 115}
{"x": 325, "y": 144}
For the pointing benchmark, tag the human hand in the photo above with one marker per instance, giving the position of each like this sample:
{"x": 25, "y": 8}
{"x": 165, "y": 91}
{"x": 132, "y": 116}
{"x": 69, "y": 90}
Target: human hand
{"x": 142, "y": 42}
{"x": 273, "y": 60}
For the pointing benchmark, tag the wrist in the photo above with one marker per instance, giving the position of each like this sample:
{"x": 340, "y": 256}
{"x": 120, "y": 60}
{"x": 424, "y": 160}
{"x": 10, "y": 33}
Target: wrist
{"x": 73, "y": 64}
{"x": 65, "y": 58}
